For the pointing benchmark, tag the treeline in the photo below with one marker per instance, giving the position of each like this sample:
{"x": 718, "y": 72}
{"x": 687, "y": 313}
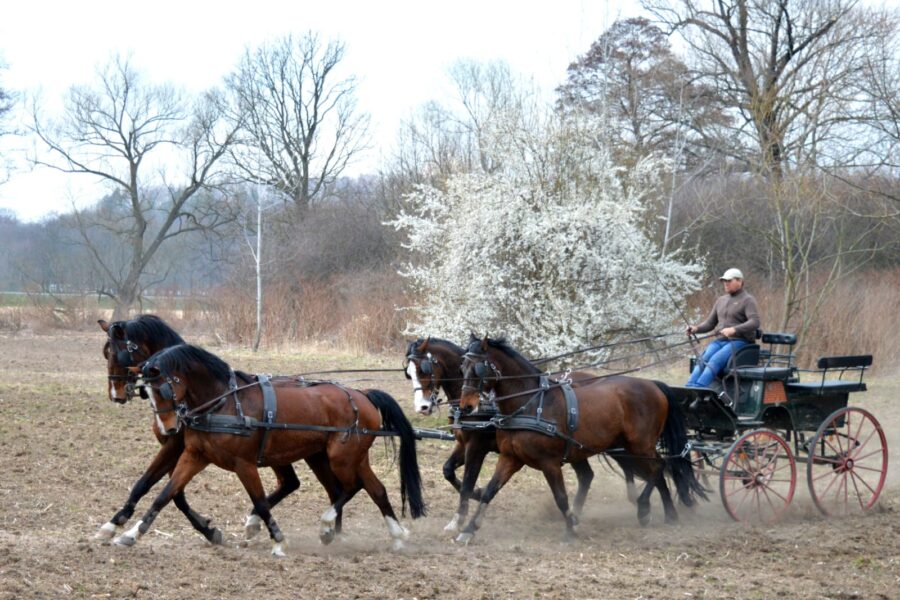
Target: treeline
{"x": 773, "y": 139}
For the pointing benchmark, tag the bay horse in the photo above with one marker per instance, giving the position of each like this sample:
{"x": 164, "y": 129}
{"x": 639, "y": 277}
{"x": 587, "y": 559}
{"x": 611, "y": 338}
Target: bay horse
{"x": 238, "y": 421}
{"x": 541, "y": 427}
{"x": 128, "y": 344}
{"x": 434, "y": 364}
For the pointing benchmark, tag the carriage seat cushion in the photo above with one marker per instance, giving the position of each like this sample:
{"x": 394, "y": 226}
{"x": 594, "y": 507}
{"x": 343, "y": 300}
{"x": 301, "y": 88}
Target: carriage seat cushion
{"x": 765, "y": 373}
{"x": 827, "y": 387}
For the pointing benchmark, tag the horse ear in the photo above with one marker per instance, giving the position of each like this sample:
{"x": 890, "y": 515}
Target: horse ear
{"x": 424, "y": 344}
{"x": 103, "y": 325}
{"x": 484, "y": 343}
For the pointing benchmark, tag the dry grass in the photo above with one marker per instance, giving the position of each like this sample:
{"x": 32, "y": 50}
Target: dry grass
{"x": 357, "y": 315}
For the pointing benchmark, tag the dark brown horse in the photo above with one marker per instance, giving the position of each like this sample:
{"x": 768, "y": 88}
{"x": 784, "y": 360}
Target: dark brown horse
{"x": 237, "y": 421}
{"x": 541, "y": 428}
{"x": 129, "y": 343}
{"x": 433, "y": 365}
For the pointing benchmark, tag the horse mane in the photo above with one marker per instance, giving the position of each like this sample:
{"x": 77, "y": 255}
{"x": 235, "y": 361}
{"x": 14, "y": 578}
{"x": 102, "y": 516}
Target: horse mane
{"x": 185, "y": 357}
{"x": 413, "y": 345}
{"x": 150, "y": 328}
{"x": 503, "y": 346}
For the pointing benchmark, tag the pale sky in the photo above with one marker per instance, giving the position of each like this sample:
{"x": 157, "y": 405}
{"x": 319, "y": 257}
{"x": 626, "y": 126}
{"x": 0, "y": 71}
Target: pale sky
{"x": 399, "y": 50}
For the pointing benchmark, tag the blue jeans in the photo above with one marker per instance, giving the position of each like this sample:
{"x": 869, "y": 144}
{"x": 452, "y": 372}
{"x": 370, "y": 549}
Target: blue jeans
{"x": 713, "y": 361}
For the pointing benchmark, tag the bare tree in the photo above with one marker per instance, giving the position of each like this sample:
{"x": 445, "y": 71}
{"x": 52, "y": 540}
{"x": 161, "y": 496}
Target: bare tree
{"x": 125, "y": 131}
{"x": 301, "y": 126}
{"x": 630, "y": 75}
{"x": 786, "y": 71}
{"x": 7, "y": 102}
{"x": 456, "y": 134}
{"x": 780, "y": 66}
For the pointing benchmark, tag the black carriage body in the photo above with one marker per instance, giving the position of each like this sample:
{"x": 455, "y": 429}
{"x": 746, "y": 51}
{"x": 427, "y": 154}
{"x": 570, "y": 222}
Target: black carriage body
{"x": 771, "y": 394}
{"x": 760, "y": 419}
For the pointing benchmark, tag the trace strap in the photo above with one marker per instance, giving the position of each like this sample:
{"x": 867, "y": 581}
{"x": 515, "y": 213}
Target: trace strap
{"x": 538, "y": 423}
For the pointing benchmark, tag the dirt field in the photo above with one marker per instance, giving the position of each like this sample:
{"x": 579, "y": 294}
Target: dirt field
{"x": 70, "y": 457}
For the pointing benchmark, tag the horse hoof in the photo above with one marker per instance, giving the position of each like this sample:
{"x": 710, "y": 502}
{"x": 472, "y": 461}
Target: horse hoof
{"x": 464, "y": 538}
{"x": 217, "y": 538}
{"x": 397, "y": 545}
{"x": 106, "y": 532}
{"x": 644, "y": 520}
{"x": 125, "y": 540}
{"x": 278, "y": 551}
{"x": 326, "y": 536}
{"x": 252, "y": 526}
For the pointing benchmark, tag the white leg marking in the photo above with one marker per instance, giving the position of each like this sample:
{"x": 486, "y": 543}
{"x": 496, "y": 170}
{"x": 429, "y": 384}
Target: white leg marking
{"x": 130, "y": 537}
{"x": 106, "y": 532}
{"x": 453, "y": 525}
{"x": 396, "y": 530}
{"x": 278, "y": 550}
{"x": 326, "y": 525}
{"x": 252, "y": 526}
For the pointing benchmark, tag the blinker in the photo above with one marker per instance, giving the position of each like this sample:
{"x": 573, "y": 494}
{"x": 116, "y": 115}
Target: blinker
{"x": 166, "y": 391}
{"x": 123, "y": 357}
{"x": 481, "y": 370}
{"x": 425, "y": 366}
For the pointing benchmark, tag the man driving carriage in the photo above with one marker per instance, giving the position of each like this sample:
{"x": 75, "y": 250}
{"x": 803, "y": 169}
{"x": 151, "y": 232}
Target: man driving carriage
{"x": 735, "y": 318}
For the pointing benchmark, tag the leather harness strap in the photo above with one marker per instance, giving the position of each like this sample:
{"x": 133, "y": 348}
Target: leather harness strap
{"x": 270, "y": 406}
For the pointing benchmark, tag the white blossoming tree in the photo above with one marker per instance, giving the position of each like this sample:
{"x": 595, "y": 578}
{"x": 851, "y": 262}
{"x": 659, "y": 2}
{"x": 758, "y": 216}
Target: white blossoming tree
{"x": 547, "y": 249}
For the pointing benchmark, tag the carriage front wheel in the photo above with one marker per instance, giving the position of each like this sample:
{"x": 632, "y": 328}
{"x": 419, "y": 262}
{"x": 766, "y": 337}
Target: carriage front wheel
{"x": 758, "y": 477}
{"x": 848, "y": 462}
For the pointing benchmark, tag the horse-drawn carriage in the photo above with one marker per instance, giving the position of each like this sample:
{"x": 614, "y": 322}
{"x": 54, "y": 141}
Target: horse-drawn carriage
{"x": 750, "y": 427}
{"x": 753, "y": 425}
{"x": 764, "y": 415}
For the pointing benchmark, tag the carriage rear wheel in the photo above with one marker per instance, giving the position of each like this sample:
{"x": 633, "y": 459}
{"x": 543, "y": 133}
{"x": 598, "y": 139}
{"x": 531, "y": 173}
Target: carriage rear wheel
{"x": 848, "y": 462}
{"x": 758, "y": 477}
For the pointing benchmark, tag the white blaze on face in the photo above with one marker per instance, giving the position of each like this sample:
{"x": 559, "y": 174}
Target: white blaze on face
{"x": 421, "y": 404}
{"x": 151, "y": 395}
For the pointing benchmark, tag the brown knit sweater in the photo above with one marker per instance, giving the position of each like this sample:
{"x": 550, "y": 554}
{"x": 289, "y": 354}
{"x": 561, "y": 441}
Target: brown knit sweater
{"x": 738, "y": 311}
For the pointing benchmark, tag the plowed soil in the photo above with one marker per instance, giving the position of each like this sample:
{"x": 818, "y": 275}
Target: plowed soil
{"x": 70, "y": 457}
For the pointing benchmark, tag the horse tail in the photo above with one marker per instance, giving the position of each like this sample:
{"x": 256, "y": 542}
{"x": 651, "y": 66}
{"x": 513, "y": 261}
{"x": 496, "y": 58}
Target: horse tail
{"x": 675, "y": 440}
{"x": 392, "y": 418}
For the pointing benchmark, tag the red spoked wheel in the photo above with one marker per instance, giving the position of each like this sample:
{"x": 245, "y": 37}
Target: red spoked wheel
{"x": 758, "y": 477}
{"x": 848, "y": 462}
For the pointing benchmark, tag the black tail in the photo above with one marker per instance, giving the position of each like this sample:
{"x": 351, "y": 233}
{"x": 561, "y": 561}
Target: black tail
{"x": 674, "y": 437}
{"x": 410, "y": 480}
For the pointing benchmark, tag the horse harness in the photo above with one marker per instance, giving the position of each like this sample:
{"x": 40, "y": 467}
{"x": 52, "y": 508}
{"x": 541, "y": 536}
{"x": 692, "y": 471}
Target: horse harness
{"x": 205, "y": 418}
{"x": 517, "y": 420}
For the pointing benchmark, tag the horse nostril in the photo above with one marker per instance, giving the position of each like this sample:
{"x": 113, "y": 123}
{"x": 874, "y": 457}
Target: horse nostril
{"x": 171, "y": 431}
{"x": 467, "y": 409}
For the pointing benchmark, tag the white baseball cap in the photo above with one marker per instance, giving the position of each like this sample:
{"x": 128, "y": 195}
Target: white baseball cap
{"x": 731, "y": 274}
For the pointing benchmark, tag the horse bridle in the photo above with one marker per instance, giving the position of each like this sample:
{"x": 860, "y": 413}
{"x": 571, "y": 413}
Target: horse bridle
{"x": 482, "y": 368}
{"x": 124, "y": 352}
{"x": 426, "y": 363}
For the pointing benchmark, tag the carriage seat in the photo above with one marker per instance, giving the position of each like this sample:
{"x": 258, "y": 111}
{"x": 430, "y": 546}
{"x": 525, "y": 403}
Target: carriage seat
{"x": 831, "y": 364}
{"x": 771, "y": 366}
